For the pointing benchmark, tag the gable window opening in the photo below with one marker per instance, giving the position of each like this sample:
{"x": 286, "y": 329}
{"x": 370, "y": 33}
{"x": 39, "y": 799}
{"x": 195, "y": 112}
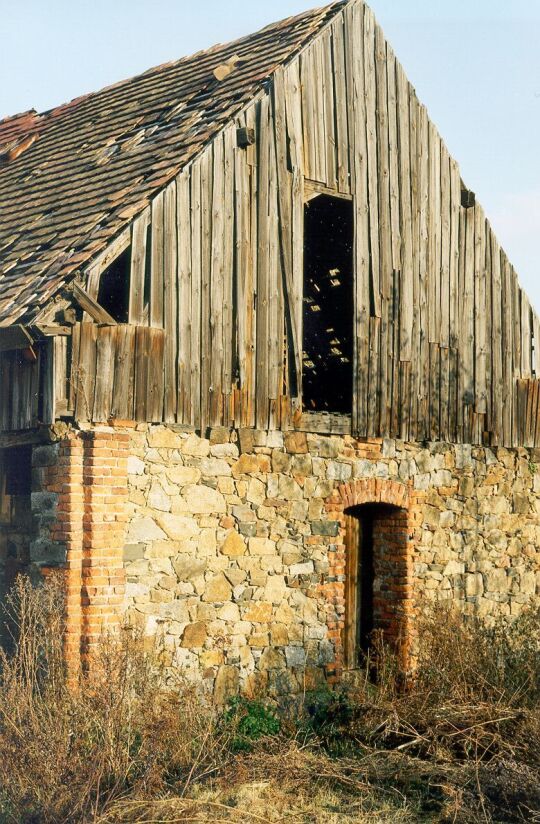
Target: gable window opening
{"x": 114, "y": 287}
{"x": 328, "y": 306}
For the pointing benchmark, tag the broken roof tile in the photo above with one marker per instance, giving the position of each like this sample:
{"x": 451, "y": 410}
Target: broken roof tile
{"x": 90, "y": 165}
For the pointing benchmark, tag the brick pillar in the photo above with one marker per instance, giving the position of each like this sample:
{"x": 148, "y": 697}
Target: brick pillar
{"x": 88, "y": 481}
{"x": 105, "y": 497}
{"x": 65, "y": 478}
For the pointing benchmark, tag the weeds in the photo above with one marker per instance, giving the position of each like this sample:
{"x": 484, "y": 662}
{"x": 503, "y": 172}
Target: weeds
{"x": 458, "y": 743}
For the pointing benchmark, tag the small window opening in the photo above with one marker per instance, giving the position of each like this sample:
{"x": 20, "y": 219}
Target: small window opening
{"x": 376, "y": 548}
{"x": 328, "y": 306}
{"x": 15, "y": 482}
{"x": 113, "y": 293}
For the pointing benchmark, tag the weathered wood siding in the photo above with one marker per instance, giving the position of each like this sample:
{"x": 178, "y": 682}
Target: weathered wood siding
{"x": 444, "y": 335}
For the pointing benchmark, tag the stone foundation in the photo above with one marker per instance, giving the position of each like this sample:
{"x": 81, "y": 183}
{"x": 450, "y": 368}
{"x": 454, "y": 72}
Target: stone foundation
{"x": 236, "y": 545}
{"x": 235, "y": 549}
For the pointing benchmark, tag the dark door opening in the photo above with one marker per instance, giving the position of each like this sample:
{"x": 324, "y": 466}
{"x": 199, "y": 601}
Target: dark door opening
{"x": 376, "y": 578}
{"x": 328, "y": 305}
{"x": 16, "y": 523}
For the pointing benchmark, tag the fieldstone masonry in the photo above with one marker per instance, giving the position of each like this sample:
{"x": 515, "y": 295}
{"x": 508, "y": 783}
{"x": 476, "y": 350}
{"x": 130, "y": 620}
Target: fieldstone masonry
{"x": 231, "y": 548}
{"x": 235, "y": 551}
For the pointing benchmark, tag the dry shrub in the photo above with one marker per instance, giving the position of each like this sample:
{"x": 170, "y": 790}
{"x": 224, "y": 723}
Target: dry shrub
{"x": 456, "y": 743}
{"x": 67, "y": 755}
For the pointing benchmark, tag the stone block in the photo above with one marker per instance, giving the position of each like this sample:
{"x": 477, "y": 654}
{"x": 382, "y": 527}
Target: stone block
{"x": 328, "y": 528}
{"x": 200, "y": 500}
{"x": 271, "y": 659}
{"x": 261, "y": 546}
{"x": 135, "y": 466}
{"x": 226, "y": 684}
{"x": 177, "y": 527}
{"x": 305, "y": 568}
{"x": 133, "y": 552}
{"x": 187, "y": 567}
{"x": 46, "y": 455}
{"x": 234, "y": 545}
{"x": 246, "y": 440}
{"x": 224, "y": 450}
{"x": 217, "y": 589}
{"x": 295, "y": 656}
{"x": 182, "y": 475}
{"x": 194, "y": 635}
{"x": 195, "y": 447}
{"x": 158, "y": 498}
{"x": 144, "y": 530}
{"x": 258, "y": 612}
{"x": 295, "y": 442}
{"x": 161, "y": 437}
{"x": 214, "y": 467}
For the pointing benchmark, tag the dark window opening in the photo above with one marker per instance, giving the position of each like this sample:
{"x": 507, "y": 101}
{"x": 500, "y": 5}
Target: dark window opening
{"x": 113, "y": 293}
{"x": 328, "y": 307}
{"x": 15, "y": 481}
{"x": 376, "y": 549}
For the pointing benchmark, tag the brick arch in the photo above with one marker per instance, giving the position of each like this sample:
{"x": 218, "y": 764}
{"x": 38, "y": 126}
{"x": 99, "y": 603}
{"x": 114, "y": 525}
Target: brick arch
{"x": 393, "y": 600}
{"x": 373, "y": 491}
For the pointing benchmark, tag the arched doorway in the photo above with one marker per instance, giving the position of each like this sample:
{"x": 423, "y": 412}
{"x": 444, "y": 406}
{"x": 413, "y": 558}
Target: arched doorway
{"x": 377, "y": 589}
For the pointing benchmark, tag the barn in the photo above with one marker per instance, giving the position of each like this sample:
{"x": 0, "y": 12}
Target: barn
{"x": 268, "y": 382}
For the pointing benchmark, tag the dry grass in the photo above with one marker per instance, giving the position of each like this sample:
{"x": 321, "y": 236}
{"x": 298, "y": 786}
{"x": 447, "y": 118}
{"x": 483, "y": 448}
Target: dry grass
{"x": 459, "y": 745}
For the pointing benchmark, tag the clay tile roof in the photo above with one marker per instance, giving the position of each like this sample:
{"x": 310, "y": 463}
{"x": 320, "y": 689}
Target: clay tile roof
{"x": 71, "y": 178}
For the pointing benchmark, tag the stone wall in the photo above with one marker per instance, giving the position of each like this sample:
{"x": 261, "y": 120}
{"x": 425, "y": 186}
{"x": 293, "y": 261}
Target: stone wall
{"x": 235, "y": 547}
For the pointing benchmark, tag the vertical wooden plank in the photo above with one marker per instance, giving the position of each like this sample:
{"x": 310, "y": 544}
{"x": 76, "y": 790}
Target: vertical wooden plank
{"x": 170, "y": 313}
{"x": 154, "y": 394}
{"x": 423, "y": 240}
{"x": 434, "y": 393}
{"x": 467, "y": 351}
{"x": 249, "y": 394}
{"x": 186, "y": 321}
{"x": 263, "y": 274}
{"x": 285, "y": 226}
{"x": 106, "y": 347}
{"x": 139, "y": 232}
{"x": 393, "y": 155}
{"x": 497, "y": 385}
{"x": 327, "y": 77}
{"x": 229, "y": 330}
{"x": 385, "y": 231}
{"x": 371, "y": 142}
{"x": 242, "y": 259}
{"x": 74, "y": 365}
{"x": 86, "y": 372}
{"x": 124, "y": 373}
{"x": 206, "y": 167}
{"x": 445, "y": 246}
{"x": 354, "y": 33}
{"x": 454, "y": 321}
{"x": 142, "y": 366}
{"x": 406, "y": 313}
{"x": 217, "y": 285}
{"x": 196, "y": 288}
{"x": 60, "y": 375}
{"x": 308, "y": 115}
{"x": 507, "y": 351}
{"x": 480, "y": 311}
{"x": 156, "y": 282}
{"x": 293, "y": 109}
{"x": 47, "y": 386}
{"x": 526, "y": 346}
{"x": 340, "y": 97}
{"x": 275, "y": 274}
{"x": 414, "y": 124}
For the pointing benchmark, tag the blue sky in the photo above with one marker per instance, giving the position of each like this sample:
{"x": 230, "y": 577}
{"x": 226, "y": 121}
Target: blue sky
{"x": 476, "y": 65}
